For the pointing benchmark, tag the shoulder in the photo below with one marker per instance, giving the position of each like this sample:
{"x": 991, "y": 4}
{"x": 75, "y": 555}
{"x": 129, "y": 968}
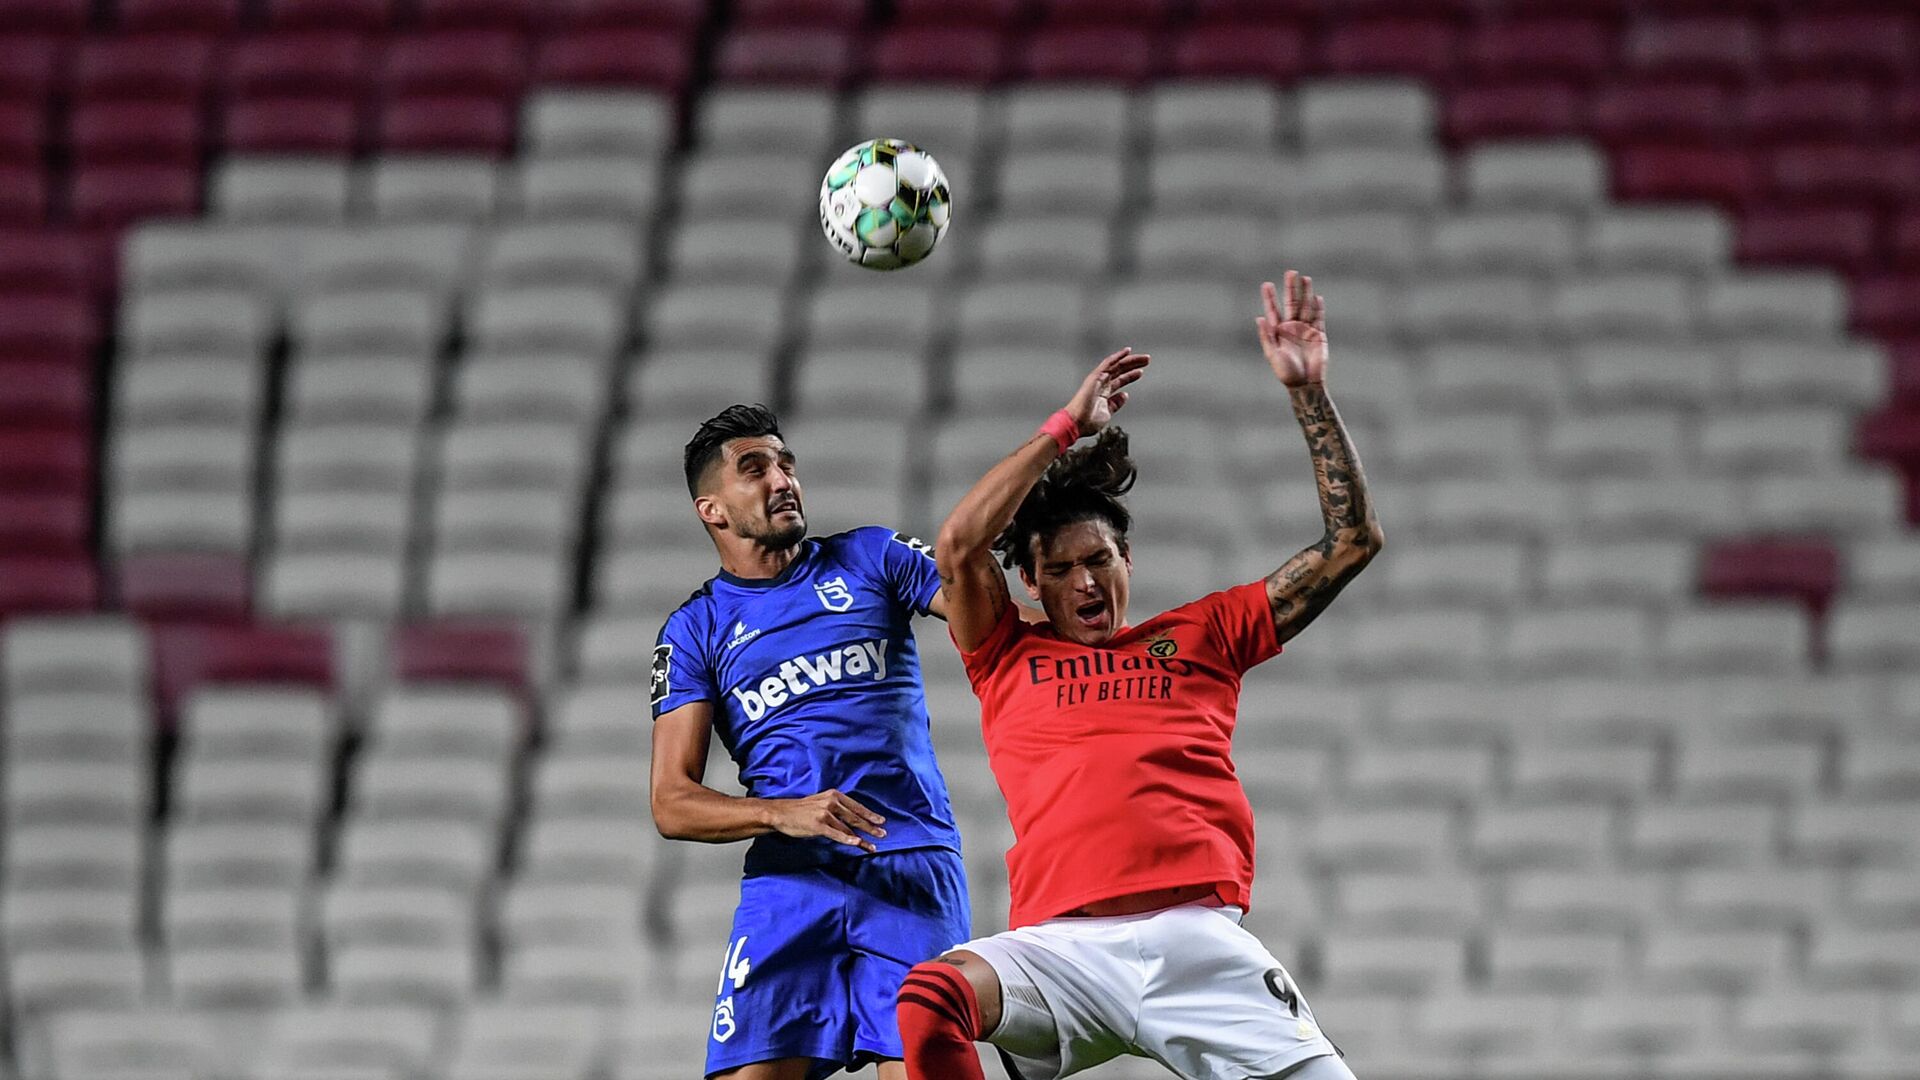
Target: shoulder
{"x": 873, "y": 543}
{"x": 694, "y": 613}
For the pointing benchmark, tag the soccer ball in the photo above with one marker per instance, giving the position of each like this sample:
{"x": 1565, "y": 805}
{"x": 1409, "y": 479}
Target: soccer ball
{"x": 884, "y": 204}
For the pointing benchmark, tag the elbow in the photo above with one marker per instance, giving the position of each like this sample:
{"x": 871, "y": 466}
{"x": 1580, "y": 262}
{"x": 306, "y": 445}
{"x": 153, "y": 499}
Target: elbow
{"x": 1354, "y": 550}
{"x": 953, "y": 549}
{"x": 666, "y": 818}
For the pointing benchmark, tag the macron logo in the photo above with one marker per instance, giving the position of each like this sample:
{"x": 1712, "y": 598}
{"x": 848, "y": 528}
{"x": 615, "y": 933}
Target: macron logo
{"x": 804, "y": 673}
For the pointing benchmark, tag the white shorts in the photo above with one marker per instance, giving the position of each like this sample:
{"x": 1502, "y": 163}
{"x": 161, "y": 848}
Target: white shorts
{"x": 1186, "y": 986}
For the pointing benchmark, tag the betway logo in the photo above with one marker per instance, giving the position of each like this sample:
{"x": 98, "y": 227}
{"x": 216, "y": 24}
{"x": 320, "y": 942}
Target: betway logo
{"x": 804, "y": 673}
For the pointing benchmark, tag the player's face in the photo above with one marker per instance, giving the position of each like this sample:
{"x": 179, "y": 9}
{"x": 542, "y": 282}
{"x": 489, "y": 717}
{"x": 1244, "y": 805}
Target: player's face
{"x": 1080, "y": 576}
{"x": 757, "y": 492}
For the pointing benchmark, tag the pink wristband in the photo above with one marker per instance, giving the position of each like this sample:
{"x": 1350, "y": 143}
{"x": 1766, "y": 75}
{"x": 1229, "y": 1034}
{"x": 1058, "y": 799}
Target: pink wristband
{"x": 1061, "y": 429}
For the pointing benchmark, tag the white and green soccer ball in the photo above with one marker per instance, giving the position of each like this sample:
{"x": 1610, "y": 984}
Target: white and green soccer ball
{"x": 885, "y": 204}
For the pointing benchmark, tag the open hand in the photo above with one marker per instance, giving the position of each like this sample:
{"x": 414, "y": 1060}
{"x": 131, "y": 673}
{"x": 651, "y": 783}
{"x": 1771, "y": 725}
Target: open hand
{"x": 831, "y": 814}
{"x": 1293, "y": 330}
{"x": 1102, "y": 393}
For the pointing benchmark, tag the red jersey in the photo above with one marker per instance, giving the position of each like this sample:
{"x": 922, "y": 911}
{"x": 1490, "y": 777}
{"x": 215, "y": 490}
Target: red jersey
{"x": 1115, "y": 759}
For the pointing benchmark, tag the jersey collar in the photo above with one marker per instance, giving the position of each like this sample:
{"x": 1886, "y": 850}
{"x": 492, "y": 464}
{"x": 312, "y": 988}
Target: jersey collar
{"x": 806, "y": 553}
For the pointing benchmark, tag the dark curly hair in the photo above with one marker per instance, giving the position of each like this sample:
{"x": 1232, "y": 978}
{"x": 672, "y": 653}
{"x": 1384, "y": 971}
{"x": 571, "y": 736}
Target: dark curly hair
{"x": 1084, "y": 484}
{"x": 733, "y": 422}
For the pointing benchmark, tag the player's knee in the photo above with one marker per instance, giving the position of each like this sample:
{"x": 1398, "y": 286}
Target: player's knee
{"x": 936, "y": 1001}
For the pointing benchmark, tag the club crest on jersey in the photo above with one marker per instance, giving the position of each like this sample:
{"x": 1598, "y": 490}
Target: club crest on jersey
{"x": 1162, "y": 647}
{"x": 662, "y": 682}
{"x": 834, "y": 594}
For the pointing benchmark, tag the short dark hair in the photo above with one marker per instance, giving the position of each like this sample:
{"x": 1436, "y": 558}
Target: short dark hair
{"x": 1084, "y": 484}
{"x": 733, "y": 422}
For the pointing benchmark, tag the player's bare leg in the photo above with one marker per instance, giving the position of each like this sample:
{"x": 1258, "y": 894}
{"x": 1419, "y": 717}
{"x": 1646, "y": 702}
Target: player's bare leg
{"x": 946, "y": 1005}
{"x": 892, "y": 1070}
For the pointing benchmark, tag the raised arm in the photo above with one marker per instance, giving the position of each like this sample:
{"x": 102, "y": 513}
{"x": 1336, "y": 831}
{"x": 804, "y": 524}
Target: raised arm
{"x": 975, "y": 587}
{"x": 1293, "y": 336}
{"x": 684, "y": 808}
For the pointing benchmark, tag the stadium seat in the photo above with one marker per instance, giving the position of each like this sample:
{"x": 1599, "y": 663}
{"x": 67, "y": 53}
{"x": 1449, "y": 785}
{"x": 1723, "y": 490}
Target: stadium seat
{"x": 280, "y": 189}
{"x": 347, "y": 1038}
{"x": 78, "y": 725}
{"x": 1521, "y": 836}
{"x": 216, "y": 855}
{"x": 1089, "y": 116}
{"x": 65, "y": 980}
{"x": 144, "y": 66}
{"x": 100, "y": 857}
{"x": 587, "y": 851}
{"x": 515, "y": 1041}
{"x": 70, "y": 918}
{"x": 430, "y": 189}
{"x": 444, "y": 125}
{"x": 1370, "y": 961}
{"x": 77, "y": 792}
{"x": 793, "y": 56}
{"x": 1106, "y": 53}
{"x": 618, "y": 59}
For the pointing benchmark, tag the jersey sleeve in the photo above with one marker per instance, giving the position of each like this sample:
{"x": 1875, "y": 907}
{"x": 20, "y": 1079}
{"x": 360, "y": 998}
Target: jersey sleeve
{"x": 906, "y": 563}
{"x": 680, "y": 671}
{"x": 1241, "y": 622}
{"x": 985, "y": 658}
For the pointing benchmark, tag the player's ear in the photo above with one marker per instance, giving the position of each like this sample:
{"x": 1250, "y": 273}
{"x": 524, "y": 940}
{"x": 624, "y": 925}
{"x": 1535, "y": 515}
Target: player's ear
{"x": 710, "y": 511}
{"x": 1026, "y": 578}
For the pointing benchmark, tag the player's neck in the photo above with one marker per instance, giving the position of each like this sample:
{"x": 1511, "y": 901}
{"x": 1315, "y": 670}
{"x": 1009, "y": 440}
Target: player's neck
{"x": 749, "y": 560}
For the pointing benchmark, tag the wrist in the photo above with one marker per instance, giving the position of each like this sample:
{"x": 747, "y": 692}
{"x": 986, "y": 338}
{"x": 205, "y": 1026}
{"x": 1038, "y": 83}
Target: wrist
{"x": 1062, "y": 428}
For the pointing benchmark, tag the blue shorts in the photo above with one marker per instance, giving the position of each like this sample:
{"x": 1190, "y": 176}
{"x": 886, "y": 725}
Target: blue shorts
{"x": 817, "y": 955}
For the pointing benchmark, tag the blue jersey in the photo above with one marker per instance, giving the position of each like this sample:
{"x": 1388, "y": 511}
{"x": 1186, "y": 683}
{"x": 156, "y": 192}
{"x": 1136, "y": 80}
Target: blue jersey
{"x": 815, "y": 684}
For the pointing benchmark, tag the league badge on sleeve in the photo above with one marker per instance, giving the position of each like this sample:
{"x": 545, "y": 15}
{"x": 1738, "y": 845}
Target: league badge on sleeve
{"x": 915, "y": 543}
{"x": 662, "y": 683}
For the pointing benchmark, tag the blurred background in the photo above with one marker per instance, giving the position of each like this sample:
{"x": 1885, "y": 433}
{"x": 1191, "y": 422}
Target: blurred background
{"x": 347, "y": 348}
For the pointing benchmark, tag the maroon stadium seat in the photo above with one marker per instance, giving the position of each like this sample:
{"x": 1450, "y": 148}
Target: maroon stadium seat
{"x": 47, "y": 583}
{"x": 214, "y": 16}
{"x": 1686, "y": 172}
{"x": 1834, "y": 171}
{"x": 188, "y": 655}
{"x": 30, "y": 66}
{"x": 998, "y": 14}
{"x": 111, "y": 132}
{"x": 446, "y": 125}
{"x": 949, "y": 54}
{"x": 331, "y": 14}
{"x": 1660, "y": 108}
{"x": 657, "y": 59}
{"x": 845, "y": 15}
{"x": 1406, "y": 46}
{"x": 1513, "y": 110}
{"x": 499, "y": 14}
{"x": 1453, "y": 10}
{"x": 44, "y": 394}
{"x": 1891, "y": 434}
{"x": 144, "y": 67}
{"x": 23, "y": 194}
{"x": 50, "y": 459}
{"x": 1903, "y": 108}
{"x": 1905, "y": 236}
{"x": 455, "y": 63}
{"x": 1793, "y": 108}
{"x": 64, "y": 16}
{"x": 23, "y": 132}
{"x": 1146, "y": 13}
{"x": 34, "y": 260}
{"x": 1839, "y": 236}
{"x": 1903, "y": 362}
{"x": 679, "y": 15}
{"x": 55, "y": 324}
{"x": 808, "y": 57}
{"x": 1725, "y": 46}
{"x": 1802, "y": 570}
{"x": 461, "y": 651}
{"x": 297, "y": 64}
{"x": 328, "y": 127}
{"x": 185, "y": 586}
{"x": 1845, "y": 44}
{"x": 1240, "y": 50}
{"x": 1110, "y": 54}
{"x": 1572, "y": 48}
{"x": 1887, "y": 304}
{"x": 45, "y": 523}
{"x": 116, "y": 195}
{"x": 1258, "y": 10}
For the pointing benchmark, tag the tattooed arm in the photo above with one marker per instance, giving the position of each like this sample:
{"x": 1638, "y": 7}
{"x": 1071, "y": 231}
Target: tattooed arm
{"x": 1293, "y": 336}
